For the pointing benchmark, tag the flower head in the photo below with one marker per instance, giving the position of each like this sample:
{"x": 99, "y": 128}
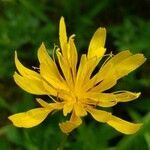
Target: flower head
{"x": 74, "y": 88}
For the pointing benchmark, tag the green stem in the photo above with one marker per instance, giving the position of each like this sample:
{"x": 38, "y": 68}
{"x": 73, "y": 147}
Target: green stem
{"x": 62, "y": 144}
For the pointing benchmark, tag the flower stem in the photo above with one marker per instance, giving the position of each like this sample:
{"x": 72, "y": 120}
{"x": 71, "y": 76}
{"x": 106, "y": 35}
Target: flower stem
{"x": 62, "y": 144}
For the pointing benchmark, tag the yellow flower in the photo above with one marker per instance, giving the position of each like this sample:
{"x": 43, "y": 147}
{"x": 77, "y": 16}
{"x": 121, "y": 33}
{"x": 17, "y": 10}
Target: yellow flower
{"x": 75, "y": 89}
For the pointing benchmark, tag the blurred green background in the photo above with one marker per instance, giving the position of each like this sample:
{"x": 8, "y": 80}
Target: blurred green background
{"x": 24, "y": 24}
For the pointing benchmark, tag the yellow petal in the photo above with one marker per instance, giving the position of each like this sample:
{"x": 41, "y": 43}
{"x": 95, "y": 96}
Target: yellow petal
{"x": 98, "y": 82}
{"x": 88, "y": 69}
{"x": 63, "y": 36}
{"x": 106, "y": 103}
{"x": 117, "y": 67}
{"x": 83, "y": 61}
{"x": 102, "y": 99}
{"x": 43, "y": 55}
{"x": 85, "y": 70}
{"x": 51, "y": 90}
{"x": 110, "y": 99}
{"x": 100, "y": 103}
{"x": 106, "y": 70}
{"x": 68, "y": 126}
{"x": 72, "y": 56}
{"x": 31, "y": 85}
{"x": 80, "y": 110}
{"x": 124, "y": 126}
{"x": 30, "y": 118}
{"x": 90, "y": 84}
{"x": 129, "y": 64}
{"x": 65, "y": 68}
{"x": 117, "y": 123}
{"x": 45, "y": 59}
{"x": 116, "y": 59}
{"x": 96, "y": 47}
{"x": 67, "y": 108}
{"x": 51, "y": 77}
{"x": 121, "y": 64}
{"x": 23, "y": 70}
{"x": 55, "y": 105}
{"x": 125, "y": 96}
{"x": 99, "y": 115}
{"x": 42, "y": 102}
{"x": 105, "y": 84}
